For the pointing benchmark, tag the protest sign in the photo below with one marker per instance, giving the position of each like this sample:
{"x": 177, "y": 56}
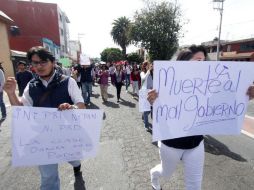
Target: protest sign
{"x": 200, "y": 98}
{"x": 84, "y": 60}
{"x": 46, "y": 136}
{"x": 143, "y": 103}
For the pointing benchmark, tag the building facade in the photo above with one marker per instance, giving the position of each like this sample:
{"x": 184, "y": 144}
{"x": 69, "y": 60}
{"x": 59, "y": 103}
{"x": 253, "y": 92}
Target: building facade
{"x": 37, "y": 24}
{"x": 238, "y": 50}
{"x": 5, "y": 53}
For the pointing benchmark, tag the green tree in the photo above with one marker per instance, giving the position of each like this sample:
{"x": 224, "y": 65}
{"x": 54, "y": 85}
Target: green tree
{"x": 95, "y": 60}
{"x": 120, "y": 33}
{"x": 157, "y": 28}
{"x": 111, "y": 55}
{"x": 134, "y": 57}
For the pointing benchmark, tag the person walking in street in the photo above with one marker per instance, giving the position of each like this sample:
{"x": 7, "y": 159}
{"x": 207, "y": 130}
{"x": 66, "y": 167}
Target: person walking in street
{"x": 118, "y": 80}
{"x": 136, "y": 80}
{"x": 189, "y": 150}
{"x": 49, "y": 89}
{"x": 86, "y": 82}
{"x": 2, "y": 104}
{"x": 146, "y": 83}
{"x": 111, "y": 71}
{"x": 23, "y": 77}
{"x": 103, "y": 81}
{"x": 127, "y": 70}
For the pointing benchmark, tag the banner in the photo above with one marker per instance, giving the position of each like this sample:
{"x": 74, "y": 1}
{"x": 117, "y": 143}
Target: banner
{"x": 46, "y": 136}
{"x": 200, "y": 98}
{"x": 84, "y": 60}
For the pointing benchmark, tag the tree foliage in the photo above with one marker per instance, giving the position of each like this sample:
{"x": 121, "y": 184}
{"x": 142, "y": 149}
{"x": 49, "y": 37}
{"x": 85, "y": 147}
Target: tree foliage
{"x": 95, "y": 60}
{"x": 111, "y": 55}
{"x": 120, "y": 33}
{"x": 156, "y": 28}
{"x": 134, "y": 58}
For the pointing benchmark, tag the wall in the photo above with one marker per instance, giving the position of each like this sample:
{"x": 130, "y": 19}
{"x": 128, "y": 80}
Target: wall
{"x": 36, "y": 20}
{"x": 5, "y": 51}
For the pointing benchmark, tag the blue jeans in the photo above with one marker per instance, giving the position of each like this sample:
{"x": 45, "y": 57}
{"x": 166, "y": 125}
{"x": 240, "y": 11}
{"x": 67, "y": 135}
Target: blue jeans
{"x": 86, "y": 91}
{"x": 49, "y": 176}
{"x": 145, "y": 115}
{"x": 3, "y": 108}
{"x": 127, "y": 81}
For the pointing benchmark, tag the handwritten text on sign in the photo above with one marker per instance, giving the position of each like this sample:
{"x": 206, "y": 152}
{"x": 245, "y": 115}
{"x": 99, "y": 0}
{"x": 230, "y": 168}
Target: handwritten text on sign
{"x": 45, "y": 135}
{"x": 198, "y": 98}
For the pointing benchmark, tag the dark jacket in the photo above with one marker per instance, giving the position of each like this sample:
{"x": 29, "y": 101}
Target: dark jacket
{"x": 114, "y": 78}
{"x": 51, "y": 96}
{"x": 86, "y": 74}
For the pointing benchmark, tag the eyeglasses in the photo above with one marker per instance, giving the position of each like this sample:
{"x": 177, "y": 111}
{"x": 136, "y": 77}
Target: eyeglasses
{"x": 41, "y": 63}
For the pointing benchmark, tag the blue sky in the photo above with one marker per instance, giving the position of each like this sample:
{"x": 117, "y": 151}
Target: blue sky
{"x": 94, "y": 18}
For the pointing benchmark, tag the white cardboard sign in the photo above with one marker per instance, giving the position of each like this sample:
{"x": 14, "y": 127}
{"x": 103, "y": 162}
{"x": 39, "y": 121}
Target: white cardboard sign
{"x": 143, "y": 103}
{"x": 84, "y": 60}
{"x": 43, "y": 136}
{"x": 200, "y": 98}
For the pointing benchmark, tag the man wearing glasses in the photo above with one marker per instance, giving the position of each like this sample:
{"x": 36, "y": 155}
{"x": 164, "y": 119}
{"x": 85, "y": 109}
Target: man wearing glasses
{"x": 49, "y": 89}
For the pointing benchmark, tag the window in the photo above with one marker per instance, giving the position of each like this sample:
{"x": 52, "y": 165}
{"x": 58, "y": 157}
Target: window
{"x": 62, "y": 32}
{"x": 247, "y": 47}
{"x": 60, "y": 16}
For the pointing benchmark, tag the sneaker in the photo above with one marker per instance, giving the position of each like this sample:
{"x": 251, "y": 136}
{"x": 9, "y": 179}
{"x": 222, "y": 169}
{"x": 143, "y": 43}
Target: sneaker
{"x": 156, "y": 189}
{"x": 155, "y": 182}
{"x": 3, "y": 118}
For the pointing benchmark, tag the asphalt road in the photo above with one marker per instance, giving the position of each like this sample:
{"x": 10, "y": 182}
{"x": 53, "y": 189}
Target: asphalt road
{"x": 126, "y": 155}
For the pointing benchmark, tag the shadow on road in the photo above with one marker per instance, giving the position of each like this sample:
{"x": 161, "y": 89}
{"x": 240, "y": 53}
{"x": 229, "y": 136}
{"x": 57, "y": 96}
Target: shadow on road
{"x": 95, "y": 95}
{"x": 111, "y": 104}
{"x": 111, "y": 95}
{"x": 79, "y": 183}
{"x": 215, "y": 147}
{"x": 92, "y": 106}
{"x": 1, "y": 121}
{"x": 127, "y": 103}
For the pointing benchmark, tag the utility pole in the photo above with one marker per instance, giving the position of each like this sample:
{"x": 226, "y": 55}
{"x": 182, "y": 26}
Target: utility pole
{"x": 219, "y": 6}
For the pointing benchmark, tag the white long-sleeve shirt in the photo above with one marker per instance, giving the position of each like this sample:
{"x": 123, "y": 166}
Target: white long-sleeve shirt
{"x": 144, "y": 77}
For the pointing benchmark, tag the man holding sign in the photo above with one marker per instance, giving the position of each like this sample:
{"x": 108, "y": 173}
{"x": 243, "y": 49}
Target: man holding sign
{"x": 187, "y": 107}
{"x": 39, "y": 92}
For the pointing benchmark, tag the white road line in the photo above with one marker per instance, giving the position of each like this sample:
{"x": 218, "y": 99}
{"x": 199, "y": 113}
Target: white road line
{"x": 247, "y": 133}
{"x": 249, "y": 117}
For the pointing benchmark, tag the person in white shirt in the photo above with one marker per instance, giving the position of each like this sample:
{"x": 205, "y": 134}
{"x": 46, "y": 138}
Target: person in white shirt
{"x": 48, "y": 89}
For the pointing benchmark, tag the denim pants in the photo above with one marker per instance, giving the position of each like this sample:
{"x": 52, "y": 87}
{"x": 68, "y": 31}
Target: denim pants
{"x": 49, "y": 176}
{"x": 86, "y": 91}
{"x": 127, "y": 81}
{"x": 3, "y": 108}
{"x": 145, "y": 115}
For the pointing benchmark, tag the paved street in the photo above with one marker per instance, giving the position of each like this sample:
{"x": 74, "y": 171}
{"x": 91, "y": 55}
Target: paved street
{"x": 126, "y": 155}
